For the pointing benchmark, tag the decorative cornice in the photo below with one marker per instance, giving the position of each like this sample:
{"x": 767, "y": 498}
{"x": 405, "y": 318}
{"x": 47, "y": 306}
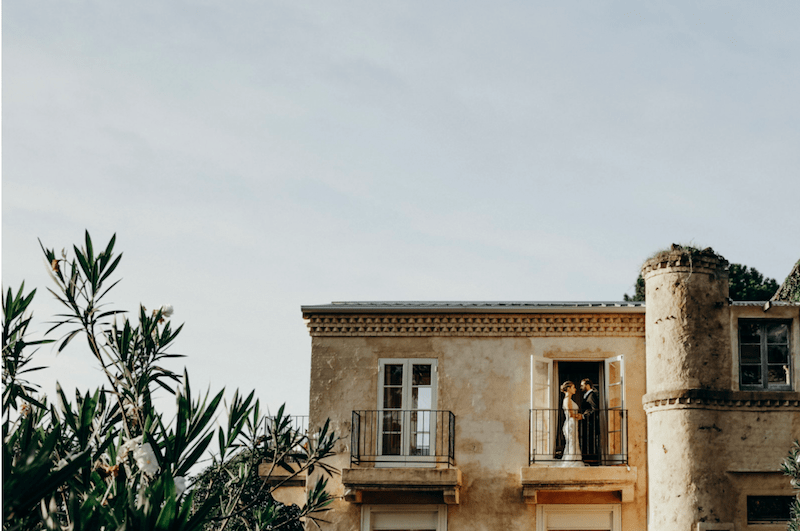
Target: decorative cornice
{"x": 708, "y": 399}
{"x": 476, "y": 325}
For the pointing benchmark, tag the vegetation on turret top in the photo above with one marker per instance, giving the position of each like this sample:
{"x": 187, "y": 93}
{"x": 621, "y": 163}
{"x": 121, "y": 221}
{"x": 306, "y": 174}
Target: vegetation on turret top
{"x": 746, "y": 283}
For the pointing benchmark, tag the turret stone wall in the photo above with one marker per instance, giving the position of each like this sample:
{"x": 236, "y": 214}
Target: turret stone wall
{"x": 710, "y": 445}
{"x": 687, "y": 321}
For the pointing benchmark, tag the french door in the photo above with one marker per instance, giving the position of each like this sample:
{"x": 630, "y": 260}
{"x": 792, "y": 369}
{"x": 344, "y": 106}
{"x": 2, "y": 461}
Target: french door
{"x": 615, "y": 411}
{"x": 407, "y": 411}
{"x": 544, "y": 416}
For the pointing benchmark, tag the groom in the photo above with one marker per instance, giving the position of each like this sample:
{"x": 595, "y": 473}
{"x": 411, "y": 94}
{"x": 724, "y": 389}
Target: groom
{"x": 590, "y": 425}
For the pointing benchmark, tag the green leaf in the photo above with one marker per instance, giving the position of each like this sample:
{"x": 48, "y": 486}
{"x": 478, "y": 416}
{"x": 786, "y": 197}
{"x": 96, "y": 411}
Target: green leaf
{"x": 190, "y": 460}
{"x": 110, "y": 246}
{"x": 89, "y": 250}
{"x": 66, "y": 409}
{"x": 167, "y": 514}
{"x": 110, "y": 270}
{"x": 67, "y": 339}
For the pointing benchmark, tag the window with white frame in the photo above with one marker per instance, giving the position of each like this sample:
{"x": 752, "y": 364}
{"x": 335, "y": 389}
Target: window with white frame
{"x": 579, "y": 517}
{"x": 404, "y": 518}
{"x": 407, "y": 391}
{"x": 764, "y": 355}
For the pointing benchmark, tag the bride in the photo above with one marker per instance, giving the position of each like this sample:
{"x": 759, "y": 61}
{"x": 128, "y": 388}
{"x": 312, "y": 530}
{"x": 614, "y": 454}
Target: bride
{"x": 572, "y": 450}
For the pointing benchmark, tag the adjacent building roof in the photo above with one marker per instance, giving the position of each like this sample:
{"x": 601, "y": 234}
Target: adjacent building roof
{"x": 790, "y": 289}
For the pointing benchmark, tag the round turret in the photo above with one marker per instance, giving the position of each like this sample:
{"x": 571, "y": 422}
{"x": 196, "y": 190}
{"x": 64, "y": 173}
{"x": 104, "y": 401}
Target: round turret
{"x": 687, "y": 333}
{"x": 688, "y": 340}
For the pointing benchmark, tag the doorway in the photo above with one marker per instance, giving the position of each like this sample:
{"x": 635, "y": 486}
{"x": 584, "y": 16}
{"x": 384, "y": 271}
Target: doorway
{"x": 575, "y": 371}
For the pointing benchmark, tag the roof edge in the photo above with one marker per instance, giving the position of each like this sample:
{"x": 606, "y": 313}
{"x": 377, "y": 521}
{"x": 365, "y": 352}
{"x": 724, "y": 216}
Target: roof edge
{"x": 475, "y": 307}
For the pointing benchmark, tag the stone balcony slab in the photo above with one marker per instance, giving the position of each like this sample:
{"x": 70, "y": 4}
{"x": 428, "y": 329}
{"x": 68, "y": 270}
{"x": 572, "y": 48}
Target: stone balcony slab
{"x": 359, "y": 480}
{"x": 620, "y": 479}
{"x": 276, "y": 475}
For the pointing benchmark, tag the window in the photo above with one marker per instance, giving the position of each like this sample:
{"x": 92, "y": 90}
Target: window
{"x": 764, "y": 362}
{"x": 407, "y": 404}
{"x": 404, "y": 518}
{"x": 589, "y": 517}
{"x": 768, "y": 509}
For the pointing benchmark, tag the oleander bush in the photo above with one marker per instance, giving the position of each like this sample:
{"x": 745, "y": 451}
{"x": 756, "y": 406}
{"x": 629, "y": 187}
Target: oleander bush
{"x": 108, "y": 458}
{"x": 791, "y": 467}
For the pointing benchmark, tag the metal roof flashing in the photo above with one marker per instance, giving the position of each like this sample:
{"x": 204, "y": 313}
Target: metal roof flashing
{"x": 762, "y": 303}
{"x": 476, "y": 307}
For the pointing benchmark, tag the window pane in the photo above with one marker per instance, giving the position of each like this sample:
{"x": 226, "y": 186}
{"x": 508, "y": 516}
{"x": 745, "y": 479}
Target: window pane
{"x": 392, "y": 421}
{"x": 421, "y": 398}
{"x": 614, "y": 375}
{"x": 751, "y": 375}
{"x": 778, "y": 354}
{"x": 421, "y": 444}
{"x": 751, "y": 353}
{"x": 393, "y": 375}
{"x": 778, "y": 374}
{"x": 768, "y": 509}
{"x": 777, "y": 333}
{"x": 392, "y": 397}
{"x": 404, "y": 521}
{"x": 615, "y": 396}
{"x": 749, "y": 332}
{"x": 391, "y": 444}
{"x": 422, "y": 375}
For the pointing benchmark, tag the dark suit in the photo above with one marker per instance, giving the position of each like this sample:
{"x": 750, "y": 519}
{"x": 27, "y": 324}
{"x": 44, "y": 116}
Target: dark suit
{"x": 590, "y": 428}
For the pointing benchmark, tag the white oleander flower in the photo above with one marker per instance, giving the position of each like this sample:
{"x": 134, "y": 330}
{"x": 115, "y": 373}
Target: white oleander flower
{"x": 180, "y": 485}
{"x": 127, "y": 447}
{"x": 65, "y": 461}
{"x": 140, "y": 498}
{"x": 146, "y": 459}
{"x": 167, "y": 310}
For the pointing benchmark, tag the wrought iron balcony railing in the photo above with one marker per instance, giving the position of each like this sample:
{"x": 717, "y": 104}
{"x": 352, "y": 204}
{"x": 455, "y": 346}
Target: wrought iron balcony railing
{"x": 602, "y": 438}
{"x": 395, "y": 437}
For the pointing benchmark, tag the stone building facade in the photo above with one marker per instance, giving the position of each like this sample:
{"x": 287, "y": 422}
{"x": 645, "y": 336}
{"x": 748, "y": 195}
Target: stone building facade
{"x": 451, "y": 415}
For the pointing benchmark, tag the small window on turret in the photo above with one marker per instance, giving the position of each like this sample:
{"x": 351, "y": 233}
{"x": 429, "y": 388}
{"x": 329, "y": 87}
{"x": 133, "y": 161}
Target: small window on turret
{"x": 765, "y": 363}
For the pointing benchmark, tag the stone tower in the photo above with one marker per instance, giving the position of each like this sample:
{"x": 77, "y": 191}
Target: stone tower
{"x": 687, "y": 329}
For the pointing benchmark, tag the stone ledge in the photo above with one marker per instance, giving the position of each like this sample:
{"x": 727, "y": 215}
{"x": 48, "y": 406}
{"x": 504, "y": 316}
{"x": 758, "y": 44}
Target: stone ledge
{"x": 357, "y": 480}
{"x": 280, "y": 476}
{"x": 698, "y": 398}
{"x": 719, "y": 526}
{"x": 621, "y": 479}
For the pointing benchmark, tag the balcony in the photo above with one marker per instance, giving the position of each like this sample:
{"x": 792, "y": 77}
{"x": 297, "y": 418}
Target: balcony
{"x": 405, "y": 453}
{"x": 388, "y": 438}
{"x": 603, "y": 439}
{"x": 601, "y": 466}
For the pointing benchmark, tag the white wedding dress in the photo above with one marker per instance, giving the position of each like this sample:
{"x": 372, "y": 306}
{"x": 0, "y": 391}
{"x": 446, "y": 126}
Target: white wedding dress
{"x": 572, "y": 448}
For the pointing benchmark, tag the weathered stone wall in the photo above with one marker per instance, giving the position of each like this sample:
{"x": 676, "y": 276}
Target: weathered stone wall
{"x": 709, "y": 444}
{"x": 485, "y": 382}
{"x": 700, "y": 459}
{"x": 687, "y": 320}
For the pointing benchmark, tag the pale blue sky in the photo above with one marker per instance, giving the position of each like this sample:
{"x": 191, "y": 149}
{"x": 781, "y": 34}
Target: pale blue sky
{"x": 256, "y": 156}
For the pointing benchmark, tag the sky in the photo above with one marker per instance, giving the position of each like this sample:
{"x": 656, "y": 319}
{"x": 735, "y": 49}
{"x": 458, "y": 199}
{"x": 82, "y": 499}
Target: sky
{"x": 256, "y": 156}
